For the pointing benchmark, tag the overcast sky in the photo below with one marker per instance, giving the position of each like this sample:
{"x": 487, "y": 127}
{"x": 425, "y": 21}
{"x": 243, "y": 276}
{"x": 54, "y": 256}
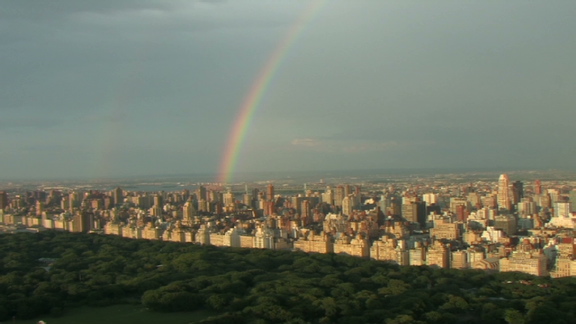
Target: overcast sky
{"x": 126, "y": 87}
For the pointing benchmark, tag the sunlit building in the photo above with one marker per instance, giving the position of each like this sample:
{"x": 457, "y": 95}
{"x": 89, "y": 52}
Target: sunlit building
{"x": 504, "y": 201}
{"x": 533, "y": 262}
{"x": 391, "y": 250}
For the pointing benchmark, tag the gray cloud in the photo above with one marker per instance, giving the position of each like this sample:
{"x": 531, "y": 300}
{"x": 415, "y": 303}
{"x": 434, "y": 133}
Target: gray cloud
{"x": 363, "y": 84}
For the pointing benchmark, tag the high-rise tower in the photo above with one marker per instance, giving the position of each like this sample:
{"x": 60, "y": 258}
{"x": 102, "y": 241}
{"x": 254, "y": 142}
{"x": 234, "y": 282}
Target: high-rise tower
{"x": 503, "y": 192}
{"x": 188, "y": 211}
{"x": 347, "y": 206}
{"x": 117, "y": 196}
{"x": 572, "y": 199}
{"x": 270, "y": 192}
{"x": 517, "y": 191}
{"x": 3, "y": 200}
{"x": 537, "y": 187}
{"x": 229, "y": 200}
{"x": 201, "y": 193}
{"x": 339, "y": 195}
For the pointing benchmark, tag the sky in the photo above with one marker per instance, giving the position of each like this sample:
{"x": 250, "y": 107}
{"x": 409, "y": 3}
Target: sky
{"x": 130, "y": 88}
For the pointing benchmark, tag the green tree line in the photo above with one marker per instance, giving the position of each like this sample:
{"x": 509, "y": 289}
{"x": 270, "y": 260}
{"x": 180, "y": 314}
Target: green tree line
{"x": 49, "y": 272}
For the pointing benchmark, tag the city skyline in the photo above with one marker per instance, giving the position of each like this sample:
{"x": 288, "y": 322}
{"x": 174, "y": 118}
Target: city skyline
{"x": 488, "y": 224}
{"x": 129, "y": 88}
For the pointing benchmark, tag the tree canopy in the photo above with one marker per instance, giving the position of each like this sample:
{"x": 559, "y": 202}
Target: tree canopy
{"x": 49, "y": 272}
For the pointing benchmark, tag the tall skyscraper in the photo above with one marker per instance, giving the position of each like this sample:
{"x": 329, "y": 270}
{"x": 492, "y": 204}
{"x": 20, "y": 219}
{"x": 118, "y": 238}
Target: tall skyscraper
{"x": 554, "y": 195}
{"x": 247, "y": 200}
{"x": 270, "y": 192}
{"x": 214, "y": 196}
{"x": 526, "y": 207}
{"x": 384, "y": 202}
{"x": 201, "y": 193}
{"x": 229, "y": 199}
{"x": 203, "y": 205}
{"x": 409, "y": 212}
{"x": 117, "y": 196}
{"x": 188, "y": 211}
{"x": 538, "y": 187}
{"x": 339, "y": 195}
{"x": 3, "y": 200}
{"x": 517, "y": 191}
{"x": 358, "y": 190}
{"x": 430, "y": 198}
{"x": 347, "y": 206}
{"x": 561, "y": 209}
{"x": 39, "y": 208}
{"x": 158, "y": 201}
{"x": 572, "y": 199}
{"x": 74, "y": 199}
{"x": 357, "y": 196}
{"x": 185, "y": 194}
{"x": 347, "y": 190}
{"x": 306, "y": 214}
{"x": 503, "y": 192}
{"x": 328, "y": 196}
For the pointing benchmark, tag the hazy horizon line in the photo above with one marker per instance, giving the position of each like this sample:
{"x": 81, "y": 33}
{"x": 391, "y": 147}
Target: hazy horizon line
{"x": 211, "y": 177}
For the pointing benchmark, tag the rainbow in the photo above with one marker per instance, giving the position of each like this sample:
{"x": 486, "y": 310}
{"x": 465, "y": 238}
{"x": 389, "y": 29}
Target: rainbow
{"x": 254, "y": 96}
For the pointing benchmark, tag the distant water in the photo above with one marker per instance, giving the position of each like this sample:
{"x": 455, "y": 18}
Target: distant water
{"x": 174, "y": 183}
{"x": 158, "y": 187}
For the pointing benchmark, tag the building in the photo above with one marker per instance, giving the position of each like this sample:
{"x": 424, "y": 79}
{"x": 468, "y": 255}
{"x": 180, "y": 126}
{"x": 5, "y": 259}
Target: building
{"x": 504, "y": 201}
{"x": 526, "y": 207}
{"x": 202, "y": 236}
{"x": 517, "y": 191}
{"x": 82, "y": 222}
{"x": 415, "y": 212}
{"x": 117, "y": 196}
{"x": 438, "y": 255}
{"x": 151, "y": 232}
{"x": 112, "y": 228}
{"x": 339, "y": 195}
{"x": 537, "y": 187}
{"x": 391, "y": 250}
{"x": 430, "y": 198}
{"x": 562, "y": 209}
{"x": 328, "y": 196}
{"x": 354, "y": 246}
{"x": 3, "y": 200}
{"x": 417, "y": 254}
{"x": 229, "y": 201}
{"x": 572, "y": 199}
{"x": 347, "y": 204}
{"x": 532, "y": 262}
{"x": 217, "y": 239}
{"x": 506, "y": 223}
{"x": 314, "y": 243}
{"x": 459, "y": 260}
{"x": 270, "y": 192}
{"x": 232, "y": 237}
{"x": 456, "y": 202}
{"x": 132, "y": 232}
{"x": 443, "y": 229}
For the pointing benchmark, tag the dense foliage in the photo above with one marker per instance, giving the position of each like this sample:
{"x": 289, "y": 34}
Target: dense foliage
{"x": 262, "y": 286}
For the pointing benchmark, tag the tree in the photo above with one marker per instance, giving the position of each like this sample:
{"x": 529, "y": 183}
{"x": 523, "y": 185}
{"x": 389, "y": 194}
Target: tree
{"x": 402, "y": 319}
{"x": 513, "y": 316}
{"x": 455, "y": 304}
{"x": 329, "y": 306}
{"x": 217, "y": 302}
{"x": 395, "y": 287}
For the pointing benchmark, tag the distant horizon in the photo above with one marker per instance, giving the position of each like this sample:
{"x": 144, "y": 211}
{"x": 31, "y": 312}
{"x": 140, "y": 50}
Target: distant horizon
{"x": 261, "y": 175}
